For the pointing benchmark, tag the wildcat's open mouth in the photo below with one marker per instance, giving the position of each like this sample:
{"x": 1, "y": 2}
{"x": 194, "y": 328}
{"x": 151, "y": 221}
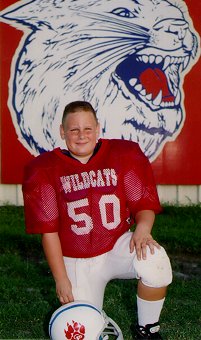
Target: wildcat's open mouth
{"x": 153, "y": 79}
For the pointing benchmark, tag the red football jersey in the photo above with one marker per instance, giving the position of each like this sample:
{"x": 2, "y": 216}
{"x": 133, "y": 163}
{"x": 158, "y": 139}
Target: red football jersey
{"x": 90, "y": 205}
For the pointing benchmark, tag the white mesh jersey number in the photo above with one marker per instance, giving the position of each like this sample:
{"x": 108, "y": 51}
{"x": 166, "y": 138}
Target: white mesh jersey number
{"x": 112, "y": 200}
{"x": 115, "y": 203}
{"x": 80, "y": 217}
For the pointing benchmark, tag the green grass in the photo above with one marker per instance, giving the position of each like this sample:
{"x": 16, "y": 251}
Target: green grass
{"x": 27, "y": 292}
{"x": 179, "y": 229}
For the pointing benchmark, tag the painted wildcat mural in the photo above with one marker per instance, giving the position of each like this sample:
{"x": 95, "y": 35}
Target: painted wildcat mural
{"x": 128, "y": 58}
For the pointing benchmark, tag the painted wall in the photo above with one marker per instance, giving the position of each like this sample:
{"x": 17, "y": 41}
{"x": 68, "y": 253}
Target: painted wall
{"x": 139, "y": 65}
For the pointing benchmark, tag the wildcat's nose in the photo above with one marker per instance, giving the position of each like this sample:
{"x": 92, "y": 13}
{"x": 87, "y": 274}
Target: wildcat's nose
{"x": 174, "y": 26}
{"x": 179, "y": 27}
{"x": 173, "y": 34}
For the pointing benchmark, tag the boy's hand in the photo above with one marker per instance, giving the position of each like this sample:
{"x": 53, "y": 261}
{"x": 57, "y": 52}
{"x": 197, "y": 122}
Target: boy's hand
{"x": 141, "y": 237}
{"x": 139, "y": 242}
{"x": 64, "y": 291}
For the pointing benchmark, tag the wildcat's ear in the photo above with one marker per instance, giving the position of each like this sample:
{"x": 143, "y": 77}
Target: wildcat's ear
{"x": 20, "y": 14}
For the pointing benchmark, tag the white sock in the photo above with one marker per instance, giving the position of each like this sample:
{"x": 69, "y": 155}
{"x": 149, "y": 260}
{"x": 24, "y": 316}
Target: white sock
{"x": 148, "y": 311}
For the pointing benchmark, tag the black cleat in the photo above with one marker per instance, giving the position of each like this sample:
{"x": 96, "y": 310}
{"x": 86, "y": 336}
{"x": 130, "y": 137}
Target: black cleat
{"x": 147, "y": 332}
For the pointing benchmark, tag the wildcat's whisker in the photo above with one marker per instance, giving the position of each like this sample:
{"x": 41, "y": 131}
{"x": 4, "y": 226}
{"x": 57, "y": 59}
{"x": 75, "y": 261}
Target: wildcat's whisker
{"x": 123, "y": 35}
{"x": 107, "y": 63}
{"x": 111, "y": 22}
{"x": 100, "y": 48}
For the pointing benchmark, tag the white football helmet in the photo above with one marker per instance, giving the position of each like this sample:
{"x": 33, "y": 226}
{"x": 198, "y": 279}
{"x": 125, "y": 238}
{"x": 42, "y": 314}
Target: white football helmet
{"x": 81, "y": 320}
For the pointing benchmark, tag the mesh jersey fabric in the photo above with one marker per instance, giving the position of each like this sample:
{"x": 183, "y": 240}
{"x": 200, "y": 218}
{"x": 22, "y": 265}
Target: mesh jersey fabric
{"x": 90, "y": 205}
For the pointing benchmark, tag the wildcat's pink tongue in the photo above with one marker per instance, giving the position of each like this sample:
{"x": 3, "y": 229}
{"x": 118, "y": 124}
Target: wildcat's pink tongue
{"x": 154, "y": 81}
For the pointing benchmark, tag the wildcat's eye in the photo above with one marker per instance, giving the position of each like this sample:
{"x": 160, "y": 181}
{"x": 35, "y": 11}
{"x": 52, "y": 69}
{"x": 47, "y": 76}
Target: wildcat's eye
{"x": 123, "y": 12}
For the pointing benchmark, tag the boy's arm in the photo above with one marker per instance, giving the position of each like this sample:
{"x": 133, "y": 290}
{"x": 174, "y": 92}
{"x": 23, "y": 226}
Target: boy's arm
{"x": 52, "y": 249}
{"x": 142, "y": 235}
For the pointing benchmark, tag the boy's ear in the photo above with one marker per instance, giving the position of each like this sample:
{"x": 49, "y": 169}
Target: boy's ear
{"x": 98, "y": 130}
{"x": 62, "y": 134}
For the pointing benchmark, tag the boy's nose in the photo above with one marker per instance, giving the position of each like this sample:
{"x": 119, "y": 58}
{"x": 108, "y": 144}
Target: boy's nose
{"x": 81, "y": 134}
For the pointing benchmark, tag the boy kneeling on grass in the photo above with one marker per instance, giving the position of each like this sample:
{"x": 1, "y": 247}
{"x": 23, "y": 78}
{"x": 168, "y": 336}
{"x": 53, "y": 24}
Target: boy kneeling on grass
{"x": 84, "y": 200}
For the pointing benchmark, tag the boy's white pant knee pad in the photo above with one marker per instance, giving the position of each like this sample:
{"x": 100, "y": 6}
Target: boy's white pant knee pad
{"x": 156, "y": 270}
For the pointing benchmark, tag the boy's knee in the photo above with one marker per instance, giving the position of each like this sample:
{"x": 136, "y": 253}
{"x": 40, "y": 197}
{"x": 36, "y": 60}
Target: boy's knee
{"x": 156, "y": 270}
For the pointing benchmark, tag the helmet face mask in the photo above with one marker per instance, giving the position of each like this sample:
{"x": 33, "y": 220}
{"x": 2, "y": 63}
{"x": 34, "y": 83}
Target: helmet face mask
{"x": 81, "y": 320}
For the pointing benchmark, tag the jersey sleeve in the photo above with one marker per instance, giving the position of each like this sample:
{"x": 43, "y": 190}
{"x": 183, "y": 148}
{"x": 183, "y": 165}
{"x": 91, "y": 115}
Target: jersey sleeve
{"x": 40, "y": 204}
{"x": 139, "y": 183}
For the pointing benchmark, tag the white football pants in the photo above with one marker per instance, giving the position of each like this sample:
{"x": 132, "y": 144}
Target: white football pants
{"x": 89, "y": 276}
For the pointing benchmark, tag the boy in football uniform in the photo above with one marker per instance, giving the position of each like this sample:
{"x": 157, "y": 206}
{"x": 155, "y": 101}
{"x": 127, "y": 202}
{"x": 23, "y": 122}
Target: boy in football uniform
{"x": 83, "y": 200}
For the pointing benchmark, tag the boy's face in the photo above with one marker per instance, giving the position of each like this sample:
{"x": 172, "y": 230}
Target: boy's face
{"x": 80, "y": 132}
